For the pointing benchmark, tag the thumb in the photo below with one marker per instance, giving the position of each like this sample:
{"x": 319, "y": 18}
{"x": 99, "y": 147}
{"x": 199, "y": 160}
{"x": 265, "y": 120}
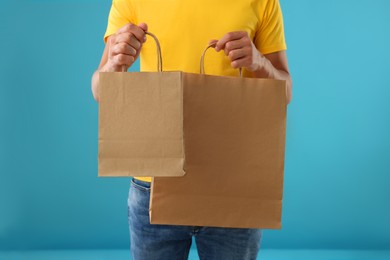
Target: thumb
{"x": 143, "y": 26}
{"x": 213, "y": 42}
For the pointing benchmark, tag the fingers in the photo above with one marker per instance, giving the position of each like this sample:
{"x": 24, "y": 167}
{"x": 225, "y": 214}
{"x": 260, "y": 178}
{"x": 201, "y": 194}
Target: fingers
{"x": 238, "y": 54}
{"x": 144, "y": 27}
{"x": 127, "y": 38}
{"x": 228, "y": 38}
{"x": 123, "y": 48}
{"x": 135, "y": 30}
{"x": 123, "y": 60}
{"x": 240, "y": 49}
{"x": 126, "y": 44}
{"x": 237, "y": 44}
{"x": 244, "y": 62}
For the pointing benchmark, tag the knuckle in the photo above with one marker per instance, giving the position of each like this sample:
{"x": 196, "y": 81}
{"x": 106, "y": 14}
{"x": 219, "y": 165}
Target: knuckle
{"x": 129, "y": 26}
{"x": 117, "y": 50}
{"x": 123, "y": 46}
{"x": 112, "y": 40}
{"x": 121, "y": 58}
{"x": 115, "y": 60}
{"x": 128, "y": 36}
{"x": 132, "y": 39}
{"x": 113, "y": 50}
{"x": 229, "y": 35}
{"x": 115, "y": 47}
{"x": 137, "y": 45}
{"x": 244, "y": 34}
{"x": 231, "y": 54}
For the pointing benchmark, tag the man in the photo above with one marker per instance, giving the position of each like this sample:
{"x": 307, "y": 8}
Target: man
{"x": 247, "y": 34}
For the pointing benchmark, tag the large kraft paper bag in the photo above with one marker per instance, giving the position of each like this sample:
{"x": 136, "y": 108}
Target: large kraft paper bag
{"x": 234, "y": 139}
{"x": 214, "y": 145}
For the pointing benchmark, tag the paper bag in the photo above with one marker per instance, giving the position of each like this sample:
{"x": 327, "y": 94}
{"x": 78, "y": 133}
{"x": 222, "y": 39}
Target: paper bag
{"x": 218, "y": 141}
{"x": 141, "y": 124}
{"x": 234, "y": 139}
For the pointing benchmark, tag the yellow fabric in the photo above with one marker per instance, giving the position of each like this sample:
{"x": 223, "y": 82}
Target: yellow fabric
{"x": 184, "y": 28}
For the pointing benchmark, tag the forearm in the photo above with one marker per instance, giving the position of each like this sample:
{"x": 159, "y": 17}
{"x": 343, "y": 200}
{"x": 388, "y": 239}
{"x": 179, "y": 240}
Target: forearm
{"x": 267, "y": 70}
{"x": 95, "y": 85}
{"x": 95, "y": 79}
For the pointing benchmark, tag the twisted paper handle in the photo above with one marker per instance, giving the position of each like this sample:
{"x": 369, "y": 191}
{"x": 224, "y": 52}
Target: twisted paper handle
{"x": 159, "y": 56}
{"x": 202, "y": 60}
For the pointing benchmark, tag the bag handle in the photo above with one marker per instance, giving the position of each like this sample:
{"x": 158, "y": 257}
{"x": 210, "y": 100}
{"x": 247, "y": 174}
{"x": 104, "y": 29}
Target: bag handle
{"x": 159, "y": 56}
{"x": 202, "y": 59}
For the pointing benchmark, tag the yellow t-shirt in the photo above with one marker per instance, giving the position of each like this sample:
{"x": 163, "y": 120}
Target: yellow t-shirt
{"x": 185, "y": 27}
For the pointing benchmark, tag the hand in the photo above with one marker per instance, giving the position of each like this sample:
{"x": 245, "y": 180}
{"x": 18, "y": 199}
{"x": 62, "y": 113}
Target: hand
{"x": 125, "y": 46}
{"x": 241, "y": 51}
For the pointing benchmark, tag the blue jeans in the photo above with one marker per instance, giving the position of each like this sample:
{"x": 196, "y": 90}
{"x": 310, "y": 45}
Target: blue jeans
{"x": 159, "y": 242}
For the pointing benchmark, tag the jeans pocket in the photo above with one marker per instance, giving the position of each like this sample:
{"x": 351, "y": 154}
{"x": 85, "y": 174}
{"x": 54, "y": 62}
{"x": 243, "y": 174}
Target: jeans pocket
{"x": 140, "y": 185}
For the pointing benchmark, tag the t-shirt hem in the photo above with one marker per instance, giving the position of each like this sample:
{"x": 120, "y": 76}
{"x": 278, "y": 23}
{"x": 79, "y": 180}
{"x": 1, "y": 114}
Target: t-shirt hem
{"x": 147, "y": 179}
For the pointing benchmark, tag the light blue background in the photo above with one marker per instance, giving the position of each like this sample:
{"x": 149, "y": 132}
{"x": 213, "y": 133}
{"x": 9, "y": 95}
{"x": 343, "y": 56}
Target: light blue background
{"x": 337, "y": 173}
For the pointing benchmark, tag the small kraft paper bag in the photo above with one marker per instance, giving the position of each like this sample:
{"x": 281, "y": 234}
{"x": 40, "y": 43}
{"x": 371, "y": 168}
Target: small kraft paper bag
{"x": 214, "y": 145}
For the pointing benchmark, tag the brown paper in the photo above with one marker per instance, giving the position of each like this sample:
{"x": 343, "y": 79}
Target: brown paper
{"x": 234, "y": 139}
{"x": 214, "y": 145}
{"x": 140, "y": 124}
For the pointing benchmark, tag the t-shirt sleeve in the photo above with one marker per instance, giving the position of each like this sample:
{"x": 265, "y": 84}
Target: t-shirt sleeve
{"x": 270, "y": 32}
{"x": 121, "y": 13}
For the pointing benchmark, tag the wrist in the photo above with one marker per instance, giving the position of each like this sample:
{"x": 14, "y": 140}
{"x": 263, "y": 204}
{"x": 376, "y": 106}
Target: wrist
{"x": 258, "y": 61}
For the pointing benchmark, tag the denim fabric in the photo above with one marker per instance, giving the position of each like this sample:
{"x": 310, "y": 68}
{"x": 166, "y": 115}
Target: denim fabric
{"x": 160, "y": 242}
